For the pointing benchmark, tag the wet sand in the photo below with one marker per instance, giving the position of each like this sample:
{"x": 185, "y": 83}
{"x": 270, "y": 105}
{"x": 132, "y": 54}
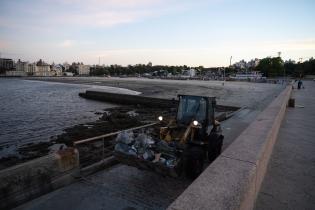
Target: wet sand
{"x": 253, "y": 95}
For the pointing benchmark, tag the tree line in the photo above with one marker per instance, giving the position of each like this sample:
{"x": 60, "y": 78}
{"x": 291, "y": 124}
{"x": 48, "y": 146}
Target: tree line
{"x": 138, "y": 69}
{"x": 270, "y": 67}
{"x": 275, "y": 67}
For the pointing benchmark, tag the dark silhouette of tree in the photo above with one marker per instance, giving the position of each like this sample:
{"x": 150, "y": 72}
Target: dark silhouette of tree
{"x": 271, "y": 67}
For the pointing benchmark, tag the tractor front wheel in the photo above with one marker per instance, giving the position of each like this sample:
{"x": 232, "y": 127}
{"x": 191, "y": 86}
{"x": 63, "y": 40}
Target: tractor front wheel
{"x": 214, "y": 148}
{"x": 194, "y": 160}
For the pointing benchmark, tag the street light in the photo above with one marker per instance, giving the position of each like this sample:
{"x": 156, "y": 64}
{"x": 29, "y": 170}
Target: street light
{"x": 229, "y": 66}
{"x": 224, "y": 70}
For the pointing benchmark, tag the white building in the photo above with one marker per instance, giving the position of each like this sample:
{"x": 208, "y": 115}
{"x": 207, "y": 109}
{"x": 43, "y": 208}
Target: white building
{"x": 15, "y": 73}
{"x": 28, "y": 68}
{"x": 83, "y": 70}
{"x": 31, "y": 68}
{"x": 68, "y": 74}
{"x": 21, "y": 66}
{"x": 57, "y": 70}
{"x": 253, "y": 63}
{"x": 42, "y": 69}
{"x": 189, "y": 73}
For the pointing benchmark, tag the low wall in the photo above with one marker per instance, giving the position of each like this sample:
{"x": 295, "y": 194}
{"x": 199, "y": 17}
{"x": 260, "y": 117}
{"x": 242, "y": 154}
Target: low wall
{"x": 37, "y": 177}
{"x": 128, "y": 99}
{"x": 142, "y": 100}
{"x": 233, "y": 180}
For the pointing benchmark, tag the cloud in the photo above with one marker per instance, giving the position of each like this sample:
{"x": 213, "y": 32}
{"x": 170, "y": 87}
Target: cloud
{"x": 100, "y": 19}
{"x": 265, "y": 46}
{"x": 301, "y": 44}
{"x": 68, "y": 13}
{"x": 108, "y": 13}
{"x": 67, "y": 43}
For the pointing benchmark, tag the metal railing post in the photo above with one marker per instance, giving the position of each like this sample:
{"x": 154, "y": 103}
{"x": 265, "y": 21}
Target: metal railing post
{"x": 103, "y": 145}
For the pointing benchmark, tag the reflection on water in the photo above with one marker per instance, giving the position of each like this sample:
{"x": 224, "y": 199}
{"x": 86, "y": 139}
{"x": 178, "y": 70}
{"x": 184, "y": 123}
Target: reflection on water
{"x": 33, "y": 111}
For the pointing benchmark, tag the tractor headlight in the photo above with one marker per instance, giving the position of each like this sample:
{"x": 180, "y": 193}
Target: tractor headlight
{"x": 160, "y": 118}
{"x": 195, "y": 122}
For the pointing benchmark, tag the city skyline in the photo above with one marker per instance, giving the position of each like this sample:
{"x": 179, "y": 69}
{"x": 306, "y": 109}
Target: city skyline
{"x": 162, "y": 32}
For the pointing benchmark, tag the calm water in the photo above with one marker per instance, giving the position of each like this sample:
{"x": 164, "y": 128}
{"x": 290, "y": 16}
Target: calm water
{"x": 33, "y": 111}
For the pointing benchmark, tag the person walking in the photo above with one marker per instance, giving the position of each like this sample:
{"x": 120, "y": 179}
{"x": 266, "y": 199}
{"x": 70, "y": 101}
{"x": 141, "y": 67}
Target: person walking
{"x": 300, "y": 84}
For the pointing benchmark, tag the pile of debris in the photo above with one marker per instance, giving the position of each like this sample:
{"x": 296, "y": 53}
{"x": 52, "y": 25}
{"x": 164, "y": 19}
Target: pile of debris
{"x": 144, "y": 147}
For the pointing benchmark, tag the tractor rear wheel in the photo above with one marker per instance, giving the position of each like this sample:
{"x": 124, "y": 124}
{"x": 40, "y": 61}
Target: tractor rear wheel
{"x": 194, "y": 159}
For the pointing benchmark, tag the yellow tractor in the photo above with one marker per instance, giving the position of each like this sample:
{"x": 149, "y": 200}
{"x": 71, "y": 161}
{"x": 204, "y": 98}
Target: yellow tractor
{"x": 183, "y": 143}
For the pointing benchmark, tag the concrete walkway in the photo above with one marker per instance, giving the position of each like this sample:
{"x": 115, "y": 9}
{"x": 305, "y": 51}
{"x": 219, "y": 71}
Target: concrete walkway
{"x": 117, "y": 188}
{"x": 290, "y": 179}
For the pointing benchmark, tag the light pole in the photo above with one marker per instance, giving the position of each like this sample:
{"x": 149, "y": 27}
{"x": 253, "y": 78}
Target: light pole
{"x": 224, "y": 71}
{"x": 229, "y": 66}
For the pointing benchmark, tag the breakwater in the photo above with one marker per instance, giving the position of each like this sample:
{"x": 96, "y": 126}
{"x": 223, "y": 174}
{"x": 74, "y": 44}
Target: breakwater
{"x": 143, "y": 100}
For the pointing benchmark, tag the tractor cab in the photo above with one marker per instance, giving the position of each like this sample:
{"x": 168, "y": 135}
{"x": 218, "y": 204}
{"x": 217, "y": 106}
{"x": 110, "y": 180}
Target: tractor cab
{"x": 194, "y": 120}
{"x": 196, "y": 110}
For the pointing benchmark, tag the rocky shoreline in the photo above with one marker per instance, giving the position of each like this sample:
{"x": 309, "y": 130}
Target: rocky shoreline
{"x": 111, "y": 120}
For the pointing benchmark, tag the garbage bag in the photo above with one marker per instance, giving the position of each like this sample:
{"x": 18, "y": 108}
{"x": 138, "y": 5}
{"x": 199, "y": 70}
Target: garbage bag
{"x": 132, "y": 151}
{"x": 144, "y": 140}
{"x": 125, "y": 137}
{"x": 148, "y": 155}
{"x": 120, "y": 147}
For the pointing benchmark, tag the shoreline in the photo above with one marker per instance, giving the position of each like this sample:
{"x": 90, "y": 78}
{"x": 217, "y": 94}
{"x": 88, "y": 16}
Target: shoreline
{"x": 111, "y": 120}
{"x": 228, "y": 95}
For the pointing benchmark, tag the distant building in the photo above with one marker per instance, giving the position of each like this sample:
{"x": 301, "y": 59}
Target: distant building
{"x": 31, "y": 68}
{"x": 21, "y": 66}
{"x": 6, "y": 64}
{"x": 66, "y": 66}
{"x": 242, "y": 64}
{"x": 252, "y": 63}
{"x": 14, "y": 73}
{"x": 83, "y": 70}
{"x": 68, "y": 74}
{"x": 189, "y": 73}
{"x": 56, "y": 70}
{"x": 28, "y": 68}
{"x": 42, "y": 69}
{"x": 160, "y": 73}
{"x": 20, "y": 69}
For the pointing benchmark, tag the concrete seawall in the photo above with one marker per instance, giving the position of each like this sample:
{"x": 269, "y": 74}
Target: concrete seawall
{"x": 233, "y": 180}
{"x": 29, "y": 180}
{"x": 128, "y": 99}
{"x": 141, "y": 100}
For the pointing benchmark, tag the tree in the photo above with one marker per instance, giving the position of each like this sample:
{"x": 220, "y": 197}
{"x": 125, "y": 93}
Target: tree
{"x": 271, "y": 67}
{"x": 289, "y": 68}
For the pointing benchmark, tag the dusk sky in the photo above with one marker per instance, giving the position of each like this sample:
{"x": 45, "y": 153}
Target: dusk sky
{"x": 170, "y": 32}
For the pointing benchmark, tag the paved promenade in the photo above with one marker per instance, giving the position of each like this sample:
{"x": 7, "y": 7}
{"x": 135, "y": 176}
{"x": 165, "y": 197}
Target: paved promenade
{"x": 290, "y": 179}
